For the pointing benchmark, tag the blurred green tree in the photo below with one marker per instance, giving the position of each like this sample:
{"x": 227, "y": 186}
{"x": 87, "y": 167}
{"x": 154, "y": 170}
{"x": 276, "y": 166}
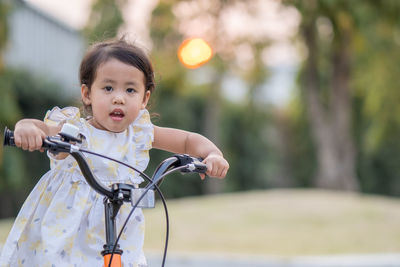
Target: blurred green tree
{"x": 23, "y": 95}
{"x": 376, "y": 96}
{"x": 26, "y": 96}
{"x": 104, "y": 20}
{"x": 9, "y": 113}
{"x": 172, "y": 96}
{"x": 213, "y": 116}
{"x": 352, "y": 53}
{"x": 4, "y": 9}
{"x": 327, "y": 28}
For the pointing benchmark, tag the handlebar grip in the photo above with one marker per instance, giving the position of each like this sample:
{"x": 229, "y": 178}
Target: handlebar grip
{"x": 47, "y": 143}
{"x": 8, "y": 137}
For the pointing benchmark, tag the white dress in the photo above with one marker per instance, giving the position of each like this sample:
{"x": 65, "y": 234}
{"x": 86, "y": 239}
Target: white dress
{"x": 62, "y": 221}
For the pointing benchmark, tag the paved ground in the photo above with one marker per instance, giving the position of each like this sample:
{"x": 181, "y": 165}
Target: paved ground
{"x": 207, "y": 260}
{"x": 378, "y": 260}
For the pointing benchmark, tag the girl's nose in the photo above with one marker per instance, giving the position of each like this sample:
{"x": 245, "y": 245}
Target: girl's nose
{"x": 118, "y": 99}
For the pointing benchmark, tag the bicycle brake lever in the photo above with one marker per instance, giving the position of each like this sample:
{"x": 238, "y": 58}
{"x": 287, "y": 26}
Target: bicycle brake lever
{"x": 196, "y": 167}
{"x": 193, "y": 164}
{"x": 55, "y": 145}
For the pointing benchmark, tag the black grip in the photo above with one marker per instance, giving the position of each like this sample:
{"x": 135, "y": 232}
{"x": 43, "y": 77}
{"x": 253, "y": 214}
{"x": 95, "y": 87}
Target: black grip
{"x": 8, "y": 137}
{"x": 47, "y": 143}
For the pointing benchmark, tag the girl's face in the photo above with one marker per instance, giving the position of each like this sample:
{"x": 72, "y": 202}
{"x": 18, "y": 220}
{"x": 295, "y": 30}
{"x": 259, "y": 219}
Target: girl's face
{"x": 117, "y": 95}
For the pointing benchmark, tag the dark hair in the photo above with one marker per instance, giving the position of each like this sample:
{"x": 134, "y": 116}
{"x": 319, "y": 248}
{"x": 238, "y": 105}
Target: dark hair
{"x": 121, "y": 50}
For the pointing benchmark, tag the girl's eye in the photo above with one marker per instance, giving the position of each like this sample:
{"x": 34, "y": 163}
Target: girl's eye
{"x": 130, "y": 90}
{"x": 108, "y": 88}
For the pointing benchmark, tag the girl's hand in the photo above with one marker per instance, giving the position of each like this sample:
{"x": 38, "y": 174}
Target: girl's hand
{"x": 28, "y": 135}
{"x": 217, "y": 166}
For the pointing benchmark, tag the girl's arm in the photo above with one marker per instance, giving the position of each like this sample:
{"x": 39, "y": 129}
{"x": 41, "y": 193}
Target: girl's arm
{"x": 180, "y": 141}
{"x": 29, "y": 135}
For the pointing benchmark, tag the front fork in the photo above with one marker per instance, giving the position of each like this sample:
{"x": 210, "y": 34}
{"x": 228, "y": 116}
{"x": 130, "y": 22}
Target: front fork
{"x": 121, "y": 193}
{"x": 111, "y": 209}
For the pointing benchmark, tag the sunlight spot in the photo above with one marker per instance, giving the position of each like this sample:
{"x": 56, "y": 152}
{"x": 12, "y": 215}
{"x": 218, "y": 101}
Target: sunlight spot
{"x": 194, "y": 52}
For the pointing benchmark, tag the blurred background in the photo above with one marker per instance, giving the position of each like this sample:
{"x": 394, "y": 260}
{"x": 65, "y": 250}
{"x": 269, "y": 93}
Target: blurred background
{"x": 301, "y": 96}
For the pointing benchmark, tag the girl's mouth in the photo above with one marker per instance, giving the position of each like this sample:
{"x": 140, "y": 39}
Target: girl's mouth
{"x": 117, "y": 114}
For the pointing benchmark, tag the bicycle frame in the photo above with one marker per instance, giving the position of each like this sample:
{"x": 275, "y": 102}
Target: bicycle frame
{"x": 119, "y": 193}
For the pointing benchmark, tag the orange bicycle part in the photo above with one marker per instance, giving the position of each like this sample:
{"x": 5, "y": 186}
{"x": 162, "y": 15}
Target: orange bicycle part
{"x": 116, "y": 260}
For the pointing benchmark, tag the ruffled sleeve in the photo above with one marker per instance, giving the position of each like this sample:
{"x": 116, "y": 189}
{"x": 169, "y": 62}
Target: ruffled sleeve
{"x": 58, "y": 116}
{"x": 143, "y": 137}
{"x": 143, "y": 131}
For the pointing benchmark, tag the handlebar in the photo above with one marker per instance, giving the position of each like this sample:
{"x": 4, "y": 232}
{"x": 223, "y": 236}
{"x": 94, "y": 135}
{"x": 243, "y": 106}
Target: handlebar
{"x": 61, "y": 143}
{"x": 118, "y": 193}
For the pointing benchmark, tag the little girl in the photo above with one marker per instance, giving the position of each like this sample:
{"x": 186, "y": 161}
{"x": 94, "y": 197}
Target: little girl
{"x": 62, "y": 221}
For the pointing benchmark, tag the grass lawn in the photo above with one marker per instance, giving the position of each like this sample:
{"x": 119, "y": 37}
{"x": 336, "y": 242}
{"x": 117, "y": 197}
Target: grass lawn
{"x": 279, "y": 223}
{"x": 274, "y": 223}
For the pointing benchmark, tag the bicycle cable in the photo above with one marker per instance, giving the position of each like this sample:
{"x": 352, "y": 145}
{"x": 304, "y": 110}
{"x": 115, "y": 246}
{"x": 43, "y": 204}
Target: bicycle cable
{"x": 148, "y": 187}
{"x": 118, "y": 161}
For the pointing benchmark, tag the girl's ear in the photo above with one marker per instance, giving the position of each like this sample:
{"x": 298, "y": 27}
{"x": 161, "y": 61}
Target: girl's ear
{"x": 85, "y": 94}
{"x": 146, "y": 99}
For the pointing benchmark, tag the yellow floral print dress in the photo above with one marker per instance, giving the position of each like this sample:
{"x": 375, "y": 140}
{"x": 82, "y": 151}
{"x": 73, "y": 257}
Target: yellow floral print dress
{"x": 62, "y": 221}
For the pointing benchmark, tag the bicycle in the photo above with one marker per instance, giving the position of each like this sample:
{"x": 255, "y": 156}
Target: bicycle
{"x": 118, "y": 193}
